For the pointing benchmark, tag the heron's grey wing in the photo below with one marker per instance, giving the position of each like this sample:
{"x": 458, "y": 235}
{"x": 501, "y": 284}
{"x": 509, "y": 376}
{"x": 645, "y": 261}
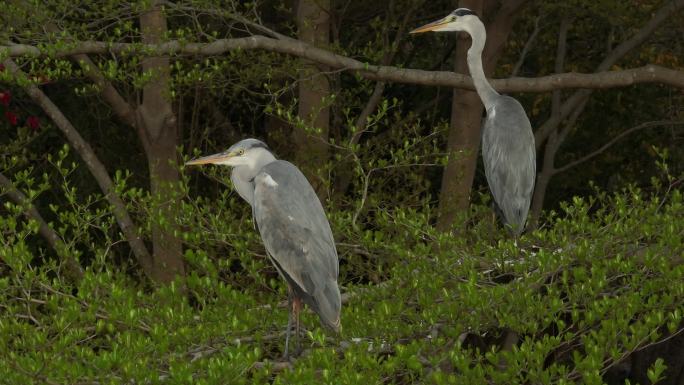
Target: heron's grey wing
{"x": 508, "y": 153}
{"x": 298, "y": 237}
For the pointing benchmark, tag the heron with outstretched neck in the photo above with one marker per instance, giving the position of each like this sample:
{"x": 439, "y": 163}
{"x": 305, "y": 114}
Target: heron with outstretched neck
{"x": 293, "y": 227}
{"x": 508, "y": 149}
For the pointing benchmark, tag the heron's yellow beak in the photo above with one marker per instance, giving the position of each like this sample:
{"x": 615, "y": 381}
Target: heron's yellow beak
{"x": 210, "y": 159}
{"x": 430, "y": 26}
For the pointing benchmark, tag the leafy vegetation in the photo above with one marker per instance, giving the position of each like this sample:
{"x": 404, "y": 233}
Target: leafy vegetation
{"x": 593, "y": 294}
{"x": 601, "y": 279}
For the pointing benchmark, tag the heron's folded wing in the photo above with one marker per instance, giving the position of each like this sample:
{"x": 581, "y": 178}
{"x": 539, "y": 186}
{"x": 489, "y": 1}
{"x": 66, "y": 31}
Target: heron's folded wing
{"x": 294, "y": 228}
{"x": 508, "y": 153}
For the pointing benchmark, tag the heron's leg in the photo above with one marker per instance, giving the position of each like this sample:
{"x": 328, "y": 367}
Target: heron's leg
{"x": 289, "y": 323}
{"x": 296, "y": 307}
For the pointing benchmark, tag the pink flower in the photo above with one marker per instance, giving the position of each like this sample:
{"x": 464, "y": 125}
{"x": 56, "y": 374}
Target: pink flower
{"x": 11, "y": 117}
{"x": 5, "y": 98}
{"x": 32, "y": 122}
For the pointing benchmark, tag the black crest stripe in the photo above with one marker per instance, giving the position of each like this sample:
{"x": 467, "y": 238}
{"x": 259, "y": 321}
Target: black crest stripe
{"x": 463, "y": 12}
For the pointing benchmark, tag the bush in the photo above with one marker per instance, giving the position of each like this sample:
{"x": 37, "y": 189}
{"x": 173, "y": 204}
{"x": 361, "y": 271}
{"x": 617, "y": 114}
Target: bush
{"x": 570, "y": 302}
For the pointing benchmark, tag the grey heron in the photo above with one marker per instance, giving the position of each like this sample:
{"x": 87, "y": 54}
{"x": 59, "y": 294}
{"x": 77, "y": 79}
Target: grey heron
{"x": 508, "y": 149}
{"x": 293, "y": 228}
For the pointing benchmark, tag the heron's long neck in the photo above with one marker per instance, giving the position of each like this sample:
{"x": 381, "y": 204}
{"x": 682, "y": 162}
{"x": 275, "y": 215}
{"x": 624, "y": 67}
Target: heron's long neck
{"x": 243, "y": 175}
{"x": 486, "y": 92}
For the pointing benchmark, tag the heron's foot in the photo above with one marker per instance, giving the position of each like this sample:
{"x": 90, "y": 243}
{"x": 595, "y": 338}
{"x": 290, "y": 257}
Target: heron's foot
{"x": 291, "y": 354}
{"x": 291, "y": 351}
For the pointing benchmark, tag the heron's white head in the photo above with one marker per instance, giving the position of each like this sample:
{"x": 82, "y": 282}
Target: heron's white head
{"x": 247, "y": 152}
{"x": 461, "y": 19}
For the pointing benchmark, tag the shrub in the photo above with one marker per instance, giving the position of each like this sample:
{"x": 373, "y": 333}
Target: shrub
{"x": 570, "y": 302}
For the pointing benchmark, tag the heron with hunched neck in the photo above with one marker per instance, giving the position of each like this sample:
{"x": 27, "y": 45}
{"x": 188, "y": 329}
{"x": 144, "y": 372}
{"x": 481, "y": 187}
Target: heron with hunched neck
{"x": 293, "y": 227}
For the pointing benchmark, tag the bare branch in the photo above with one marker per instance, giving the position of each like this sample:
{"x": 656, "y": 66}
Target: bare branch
{"x": 598, "y": 80}
{"x": 74, "y": 270}
{"x": 526, "y": 49}
{"x": 96, "y": 168}
{"x": 614, "y": 140}
{"x": 552, "y": 144}
{"x": 371, "y": 105}
{"x": 570, "y": 122}
{"x": 376, "y": 96}
{"x": 219, "y": 12}
{"x": 498, "y": 31}
{"x": 561, "y": 51}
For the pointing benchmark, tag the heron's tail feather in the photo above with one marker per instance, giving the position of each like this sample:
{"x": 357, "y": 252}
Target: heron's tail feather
{"x": 328, "y": 305}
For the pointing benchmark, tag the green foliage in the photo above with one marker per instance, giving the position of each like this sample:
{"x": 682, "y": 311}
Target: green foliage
{"x": 601, "y": 279}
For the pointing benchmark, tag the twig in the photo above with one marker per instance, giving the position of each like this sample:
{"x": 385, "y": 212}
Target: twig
{"x": 614, "y": 140}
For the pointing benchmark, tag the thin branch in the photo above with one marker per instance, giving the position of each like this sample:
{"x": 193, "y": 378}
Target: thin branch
{"x": 230, "y": 15}
{"x": 376, "y": 96}
{"x": 570, "y": 122}
{"x": 526, "y": 49}
{"x": 345, "y": 175}
{"x": 366, "y": 183}
{"x": 614, "y": 140}
{"x": 371, "y": 105}
{"x": 498, "y": 31}
{"x": 561, "y": 51}
{"x": 73, "y": 268}
{"x": 93, "y": 163}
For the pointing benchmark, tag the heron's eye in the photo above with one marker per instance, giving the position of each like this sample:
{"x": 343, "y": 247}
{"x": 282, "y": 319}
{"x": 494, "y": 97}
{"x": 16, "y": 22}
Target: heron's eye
{"x": 241, "y": 151}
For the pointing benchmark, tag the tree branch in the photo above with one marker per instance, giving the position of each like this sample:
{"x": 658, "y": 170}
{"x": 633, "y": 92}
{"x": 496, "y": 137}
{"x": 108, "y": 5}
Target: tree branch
{"x": 570, "y": 124}
{"x": 73, "y": 269}
{"x": 96, "y": 167}
{"x": 552, "y": 144}
{"x": 345, "y": 176}
{"x": 498, "y": 31}
{"x": 614, "y": 140}
{"x": 219, "y": 12}
{"x": 526, "y": 49}
{"x": 376, "y": 96}
{"x": 621, "y": 50}
{"x": 121, "y": 108}
{"x": 371, "y": 105}
{"x": 561, "y": 51}
{"x": 600, "y": 80}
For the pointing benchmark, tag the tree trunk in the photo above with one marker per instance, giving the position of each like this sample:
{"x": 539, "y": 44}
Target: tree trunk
{"x": 463, "y": 147}
{"x": 313, "y": 23}
{"x": 159, "y": 134}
